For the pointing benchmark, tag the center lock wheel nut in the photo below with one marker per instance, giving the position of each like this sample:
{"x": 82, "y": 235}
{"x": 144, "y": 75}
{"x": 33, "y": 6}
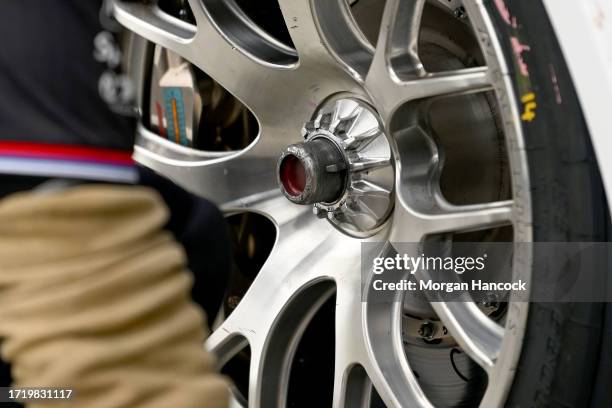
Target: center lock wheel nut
{"x": 342, "y": 168}
{"x": 313, "y": 171}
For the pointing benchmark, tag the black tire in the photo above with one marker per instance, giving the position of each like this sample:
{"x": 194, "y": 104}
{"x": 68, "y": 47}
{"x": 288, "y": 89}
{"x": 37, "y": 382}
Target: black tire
{"x": 564, "y": 342}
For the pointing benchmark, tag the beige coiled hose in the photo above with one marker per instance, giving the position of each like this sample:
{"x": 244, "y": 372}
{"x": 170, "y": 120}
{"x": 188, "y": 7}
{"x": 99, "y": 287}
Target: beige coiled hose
{"x": 94, "y": 296}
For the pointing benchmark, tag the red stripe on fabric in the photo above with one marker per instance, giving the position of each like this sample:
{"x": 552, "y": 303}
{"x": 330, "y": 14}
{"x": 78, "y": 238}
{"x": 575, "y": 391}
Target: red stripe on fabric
{"x": 64, "y": 152}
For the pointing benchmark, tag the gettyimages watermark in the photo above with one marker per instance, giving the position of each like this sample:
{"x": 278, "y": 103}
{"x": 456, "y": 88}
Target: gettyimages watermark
{"x": 487, "y": 272}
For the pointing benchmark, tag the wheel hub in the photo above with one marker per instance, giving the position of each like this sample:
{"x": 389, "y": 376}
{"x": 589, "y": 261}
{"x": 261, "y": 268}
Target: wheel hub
{"x": 342, "y": 168}
{"x": 312, "y": 171}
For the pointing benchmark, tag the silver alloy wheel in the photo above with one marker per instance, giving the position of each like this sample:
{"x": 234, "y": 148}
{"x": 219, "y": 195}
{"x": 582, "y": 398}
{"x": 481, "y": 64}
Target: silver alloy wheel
{"x": 311, "y": 259}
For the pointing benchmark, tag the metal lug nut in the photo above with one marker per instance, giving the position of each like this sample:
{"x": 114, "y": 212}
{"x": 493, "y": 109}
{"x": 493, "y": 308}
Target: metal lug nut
{"x": 427, "y": 330}
{"x": 460, "y": 12}
{"x": 320, "y": 213}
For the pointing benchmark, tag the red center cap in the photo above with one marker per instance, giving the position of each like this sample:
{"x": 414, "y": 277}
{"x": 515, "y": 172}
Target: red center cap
{"x": 292, "y": 175}
{"x": 308, "y": 173}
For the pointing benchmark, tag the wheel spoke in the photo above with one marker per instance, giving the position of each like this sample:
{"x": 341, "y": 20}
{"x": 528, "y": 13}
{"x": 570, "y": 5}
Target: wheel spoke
{"x": 451, "y": 219}
{"x": 387, "y": 366}
{"x": 399, "y": 36}
{"x": 350, "y": 347}
{"x": 398, "y": 40}
{"x": 478, "y": 335}
{"x": 397, "y": 75}
{"x": 150, "y": 22}
{"x": 352, "y": 388}
{"x": 445, "y": 83}
{"x": 289, "y": 282}
{"x": 241, "y": 74}
{"x": 320, "y": 73}
{"x": 300, "y": 22}
{"x": 389, "y": 370}
{"x": 397, "y": 43}
{"x": 223, "y": 179}
{"x": 374, "y": 357}
{"x": 391, "y": 93}
{"x": 471, "y": 218}
{"x": 343, "y": 38}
